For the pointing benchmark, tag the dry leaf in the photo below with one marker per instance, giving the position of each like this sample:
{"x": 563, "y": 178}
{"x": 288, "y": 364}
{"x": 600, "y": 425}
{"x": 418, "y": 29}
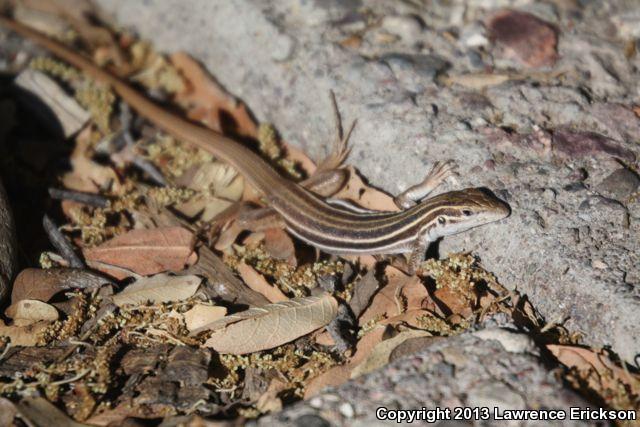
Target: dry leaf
{"x": 144, "y": 252}
{"x": 272, "y": 325}
{"x": 269, "y": 400}
{"x": 258, "y": 283}
{"x": 207, "y": 102}
{"x": 7, "y": 412}
{"x": 35, "y": 283}
{"x": 341, "y": 373}
{"x": 26, "y": 336}
{"x": 379, "y": 356}
{"x": 364, "y": 195}
{"x": 401, "y": 293}
{"x": 219, "y": 186}
{"x": 363, "y": 291}
{"x": 42, "y": 413}
{"x": 596, "y": 367}
{"x": 158, "y": 289}
{"x": 279, "y": 245}
{"x": 87, "y": 175}
{"x": 200, "y": 315}
{"x": 29, "y": 311}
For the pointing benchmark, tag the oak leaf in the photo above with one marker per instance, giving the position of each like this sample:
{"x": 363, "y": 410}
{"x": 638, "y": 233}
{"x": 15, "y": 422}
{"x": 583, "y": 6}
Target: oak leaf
{"x": 270, "y": 326}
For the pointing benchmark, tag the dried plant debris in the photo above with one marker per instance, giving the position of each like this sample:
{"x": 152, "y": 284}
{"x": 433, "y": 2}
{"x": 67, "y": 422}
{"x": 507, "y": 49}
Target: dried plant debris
{"x": 185, "y": 315}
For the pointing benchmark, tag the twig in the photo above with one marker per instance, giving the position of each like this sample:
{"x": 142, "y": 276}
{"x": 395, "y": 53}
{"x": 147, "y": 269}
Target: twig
{"x": 126, "y": 119}
{"x": 79, "y": 196}
{"x": 60, "y": 242}
{"x": 150, "y": 169}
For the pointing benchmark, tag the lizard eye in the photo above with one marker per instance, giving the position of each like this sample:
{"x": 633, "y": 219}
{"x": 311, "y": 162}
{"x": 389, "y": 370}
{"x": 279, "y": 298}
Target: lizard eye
{"x": 442, "y": 220}
{"x": 466, "y": 212}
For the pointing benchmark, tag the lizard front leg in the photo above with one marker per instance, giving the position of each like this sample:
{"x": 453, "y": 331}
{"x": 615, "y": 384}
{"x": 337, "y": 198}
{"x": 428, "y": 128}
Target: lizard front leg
{"x": 438, "y": 174}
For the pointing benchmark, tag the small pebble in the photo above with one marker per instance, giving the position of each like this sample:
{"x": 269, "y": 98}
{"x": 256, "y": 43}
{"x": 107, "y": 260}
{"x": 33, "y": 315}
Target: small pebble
{"x": 311, "y": 420}
{"x": 346, "y": 409}
{"x": 621, "y": 184}
{"x": 524, "y": 37}
{"x": 407, "y": 27}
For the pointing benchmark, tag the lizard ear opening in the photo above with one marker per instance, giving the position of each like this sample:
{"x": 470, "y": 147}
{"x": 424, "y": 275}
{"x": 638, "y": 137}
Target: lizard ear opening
{"x": 466, "y": 212}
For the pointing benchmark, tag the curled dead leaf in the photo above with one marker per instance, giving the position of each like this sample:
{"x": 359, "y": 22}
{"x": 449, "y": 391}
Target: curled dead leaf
{"x": 402, "y": 293}
{"x": 341, "y": 373}
{"x": 258, "y": 283}
{"x": 599, "y": 371}
{"x": 270, "y": 326}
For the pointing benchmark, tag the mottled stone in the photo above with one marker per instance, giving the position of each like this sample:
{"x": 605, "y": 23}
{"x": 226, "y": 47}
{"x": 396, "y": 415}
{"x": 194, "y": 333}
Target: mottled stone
{"x": 620, "y": 184}
{"x": 524, "y": 37}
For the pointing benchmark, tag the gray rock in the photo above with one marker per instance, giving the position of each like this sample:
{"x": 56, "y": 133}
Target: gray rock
{"x": 547, "y": 247}
{"x": 462, "y": 371}
{"x": 7, "y": 246}
{"x": 620, "y": 184}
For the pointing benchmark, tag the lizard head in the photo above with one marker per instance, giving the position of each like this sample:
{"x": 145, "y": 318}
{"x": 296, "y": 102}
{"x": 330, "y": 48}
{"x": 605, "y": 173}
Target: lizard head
{"x": 458, "y": 211}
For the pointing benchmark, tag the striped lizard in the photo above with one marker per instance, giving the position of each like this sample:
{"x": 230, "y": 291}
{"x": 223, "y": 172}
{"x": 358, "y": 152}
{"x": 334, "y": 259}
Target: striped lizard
{"x": 330, "y": 227}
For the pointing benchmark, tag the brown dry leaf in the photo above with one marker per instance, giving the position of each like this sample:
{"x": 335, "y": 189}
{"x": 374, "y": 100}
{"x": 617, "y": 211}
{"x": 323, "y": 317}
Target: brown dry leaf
{"x": 87, "y": 175}
{"x": 42, "y": 413}
{"x": 410, "y": 318}
{"x": 454, "y": 300}
{"x": 219, "y": 186}
{"x": 339, "y": 374}
{"x": 363, "y": 195}
{"x": 597, "y": 368}
{"x": 401, "y": 293}
{"x": 207, "y": 102}
{"x": 26, "y": 336}
{"x": 200, "y": 315}
{"x": 35, "y": 283}
{"x": 269, "y": 400}
{"x": 363, "y": 291}
{"x": 379, "y": 356}
{"x": 272, "y": 325}
{"x": 158, "y": 289}
{"x": 279, "y": 245}
{"x": 144, "y": 252}
{"x": 258, "y": 283}
{"x": 7, "y": 412}
{"x": 29, "y": 311}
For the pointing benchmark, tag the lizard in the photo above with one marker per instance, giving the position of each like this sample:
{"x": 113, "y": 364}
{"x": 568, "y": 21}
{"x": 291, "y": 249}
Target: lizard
{"x": 329, "y": 227}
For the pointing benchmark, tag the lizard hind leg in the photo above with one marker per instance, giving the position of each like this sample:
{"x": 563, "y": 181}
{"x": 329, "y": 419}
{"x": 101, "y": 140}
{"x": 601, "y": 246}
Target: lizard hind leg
{"x": 340, "y": 149}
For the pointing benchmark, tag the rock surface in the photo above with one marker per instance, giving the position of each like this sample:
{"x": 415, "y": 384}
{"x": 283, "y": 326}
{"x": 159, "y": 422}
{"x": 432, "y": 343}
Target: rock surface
{"x": 549, "y": 140}
{"x": 461, "y": 371}
{"x": 7, "y": 246}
